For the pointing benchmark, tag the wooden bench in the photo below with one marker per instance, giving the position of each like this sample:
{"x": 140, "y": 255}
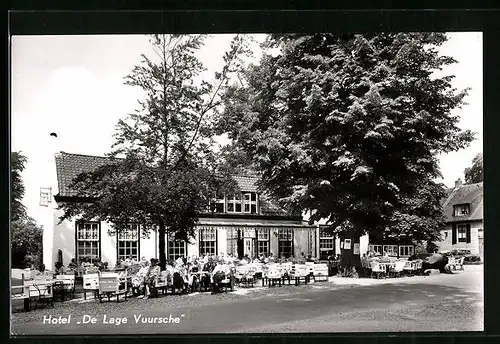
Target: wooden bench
{"x": 110, "y": 285}
{"x": 21, "y": 291}
{"x": 300, "y": 273}
{"x": 320, "y": 272}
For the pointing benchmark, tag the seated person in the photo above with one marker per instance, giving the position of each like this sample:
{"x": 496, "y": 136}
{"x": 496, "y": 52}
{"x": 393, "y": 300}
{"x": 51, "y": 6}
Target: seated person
{"x": 153, "y": 272}
{"x": 120, "y": 265}
{"x": 42, "y": 271}
{"x": 60, "y": 269}
{"x": 140, "y": 276}
{"x": 73, "y": 264}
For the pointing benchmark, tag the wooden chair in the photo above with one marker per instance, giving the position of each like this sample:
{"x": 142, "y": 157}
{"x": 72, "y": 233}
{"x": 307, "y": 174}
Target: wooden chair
{"x": 109, "y": 286}
{"x": 396, "y": 269}
{"x": 320, "y": 272}
{"x": 42, "y": 291}
{"x": 378, "y": 270}
{"x": 459, "y": 263}
{"x": 274, "y": 276}
{"x": 300, "y": 274}
{"x": 68, "y": 282}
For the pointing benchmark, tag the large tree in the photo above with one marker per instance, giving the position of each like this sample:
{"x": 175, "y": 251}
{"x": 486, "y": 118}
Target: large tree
{"x": 474, "y": 174}
{"x": 17, "y": 165}
{"x": 25, "y": 234}
{"x": 348, "y": 127}
{"x": 170, "y": 171}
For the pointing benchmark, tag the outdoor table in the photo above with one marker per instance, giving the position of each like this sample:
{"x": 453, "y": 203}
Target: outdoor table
{"x": 26, "y": 300}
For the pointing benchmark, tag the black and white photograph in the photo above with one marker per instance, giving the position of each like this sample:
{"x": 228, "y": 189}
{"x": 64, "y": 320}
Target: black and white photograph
{"x": 246, "y": 183}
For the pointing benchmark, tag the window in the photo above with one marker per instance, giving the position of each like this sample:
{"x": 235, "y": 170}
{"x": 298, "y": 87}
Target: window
{"x": 208, "y": 241}
{"x": 406, "y": 251}
{"x": 87, "y": 240}
{"x": 232, "y": 241}
{"x": 285, "y": 243}
{"x": 217, "y": 205}
{"x": 45, "y": 196}
{"x": 176, "y": 249}
{"x": 326, "y": 243}
{"x": 461, "y": 209}
{"x": 392, "y": 250}
{"x": 263, "y": 241}
{"x": 128, "y": 242}
{"x": 375, "y": 249}
{"x": 250, "y": 204}
{"x": 462, "y": 233}
{"x": 234, "y": 203}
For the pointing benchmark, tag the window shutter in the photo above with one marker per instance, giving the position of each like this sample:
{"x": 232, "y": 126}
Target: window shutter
{"x": 468, "y": 234}
{"x": 454, "y": 234}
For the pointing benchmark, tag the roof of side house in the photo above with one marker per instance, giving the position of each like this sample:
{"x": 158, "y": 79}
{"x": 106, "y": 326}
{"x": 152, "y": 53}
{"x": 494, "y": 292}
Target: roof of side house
{"x": 465, "y": 194}
{"x": 69, "y": 166}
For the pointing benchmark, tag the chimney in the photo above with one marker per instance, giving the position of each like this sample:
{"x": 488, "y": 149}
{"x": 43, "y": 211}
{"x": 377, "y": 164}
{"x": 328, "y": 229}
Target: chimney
{"x": 458, "y": 183}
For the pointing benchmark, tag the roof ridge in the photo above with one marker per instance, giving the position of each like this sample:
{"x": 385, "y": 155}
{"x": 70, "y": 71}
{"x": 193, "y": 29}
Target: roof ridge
{"x": 88, "y": 155}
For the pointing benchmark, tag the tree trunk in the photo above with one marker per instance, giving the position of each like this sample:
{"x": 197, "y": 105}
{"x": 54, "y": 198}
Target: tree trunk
{"x": 161, "y": 246}
{"x": 348, "y": 259}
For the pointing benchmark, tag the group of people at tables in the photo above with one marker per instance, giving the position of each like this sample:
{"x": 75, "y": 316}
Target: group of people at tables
{"x": 186, "y": 274}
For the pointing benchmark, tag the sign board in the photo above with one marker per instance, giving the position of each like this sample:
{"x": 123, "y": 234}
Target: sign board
{"x": 347, "y": 244}
{"x": 356, "y": 248}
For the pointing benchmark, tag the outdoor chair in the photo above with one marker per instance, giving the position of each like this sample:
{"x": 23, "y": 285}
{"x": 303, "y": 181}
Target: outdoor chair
{"x": 310, "y": 267}
{"x": 378, "y": 270}
{"x": 460, "y": 263}
{"x": 68, "y": 285}
{"x": 41, "y": 291}
{"x": 320, "y": 272}
{"x": 418, "y": 266}
{"x": 274, "y": 276}
{"x": 160, "y": 284}
{"x": 397, "y": 268}
{"x": 110, "y": 286}
{"x": 300, "y": 274}
{"x": 286, "y": 270}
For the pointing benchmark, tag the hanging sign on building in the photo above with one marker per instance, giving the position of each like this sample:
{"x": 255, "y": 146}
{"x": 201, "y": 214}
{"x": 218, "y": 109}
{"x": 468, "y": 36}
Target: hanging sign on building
{"x": 355, "y": 249}
{"x": 347, "y": 244}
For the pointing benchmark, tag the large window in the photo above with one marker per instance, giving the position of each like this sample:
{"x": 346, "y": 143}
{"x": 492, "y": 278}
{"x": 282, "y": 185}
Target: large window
{"x": 88, "y": 240}
{"x": 250, "y": 204}
{"x": 176, "y": 249}
{"x": 405, "y": 251}
{"x": 128, "y": 242}
{"x": 391, "y": 250}
{"x": 461, "y": 209}
{"x": 234, "y": 203}
{"x": 375, "y": 249}
{"x": 326, "y": 243}
{"x": 462, "y": 233}
{"x": 208, "y": 241}
{"x": 263, "y": 241}
{"x": 232, "y": 241}
{"x": 285, "y": 243}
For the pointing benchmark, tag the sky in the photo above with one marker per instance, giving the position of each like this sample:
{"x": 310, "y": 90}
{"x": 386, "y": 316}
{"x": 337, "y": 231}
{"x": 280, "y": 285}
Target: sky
{"x": 73, "y": 86}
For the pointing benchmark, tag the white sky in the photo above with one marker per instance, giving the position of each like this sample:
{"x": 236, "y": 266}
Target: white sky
{"x": 73, "y": 85}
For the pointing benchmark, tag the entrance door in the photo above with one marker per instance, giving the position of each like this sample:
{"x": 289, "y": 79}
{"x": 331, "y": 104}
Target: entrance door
{"x": 249, "y": 247}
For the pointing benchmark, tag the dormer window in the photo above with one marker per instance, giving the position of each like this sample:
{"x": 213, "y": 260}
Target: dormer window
{"x": 234, "y": 203}
{"x": 250, "y": 205}
{"x": 461, "y": 210}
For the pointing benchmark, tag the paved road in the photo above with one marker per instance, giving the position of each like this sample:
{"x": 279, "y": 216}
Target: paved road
{"x": 433, "y": 303}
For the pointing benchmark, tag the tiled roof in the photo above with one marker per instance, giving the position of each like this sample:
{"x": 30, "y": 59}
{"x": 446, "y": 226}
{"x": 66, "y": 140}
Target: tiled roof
{"x": 69, "y": 166}
{"x": 465, "y": 194}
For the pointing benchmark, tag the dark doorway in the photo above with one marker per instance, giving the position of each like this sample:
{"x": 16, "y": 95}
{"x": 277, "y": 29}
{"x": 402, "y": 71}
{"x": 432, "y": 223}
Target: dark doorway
{"x": 239, "y": 244}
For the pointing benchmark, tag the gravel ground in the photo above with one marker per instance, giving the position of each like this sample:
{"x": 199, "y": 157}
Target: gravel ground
{"x": 459, "y": 301}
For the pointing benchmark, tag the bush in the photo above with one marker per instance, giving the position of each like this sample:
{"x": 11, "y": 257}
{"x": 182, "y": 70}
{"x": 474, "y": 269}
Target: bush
{"x": 472, "y": 258}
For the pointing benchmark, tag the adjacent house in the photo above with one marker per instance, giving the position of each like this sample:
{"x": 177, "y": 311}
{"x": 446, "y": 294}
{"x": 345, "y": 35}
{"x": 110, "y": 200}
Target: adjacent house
{"x": 463, "y": 209}
{"x": 244, "y": 223}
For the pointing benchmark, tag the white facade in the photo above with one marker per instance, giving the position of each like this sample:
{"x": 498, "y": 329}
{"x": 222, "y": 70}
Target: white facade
{"x": 476, "y": 228}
